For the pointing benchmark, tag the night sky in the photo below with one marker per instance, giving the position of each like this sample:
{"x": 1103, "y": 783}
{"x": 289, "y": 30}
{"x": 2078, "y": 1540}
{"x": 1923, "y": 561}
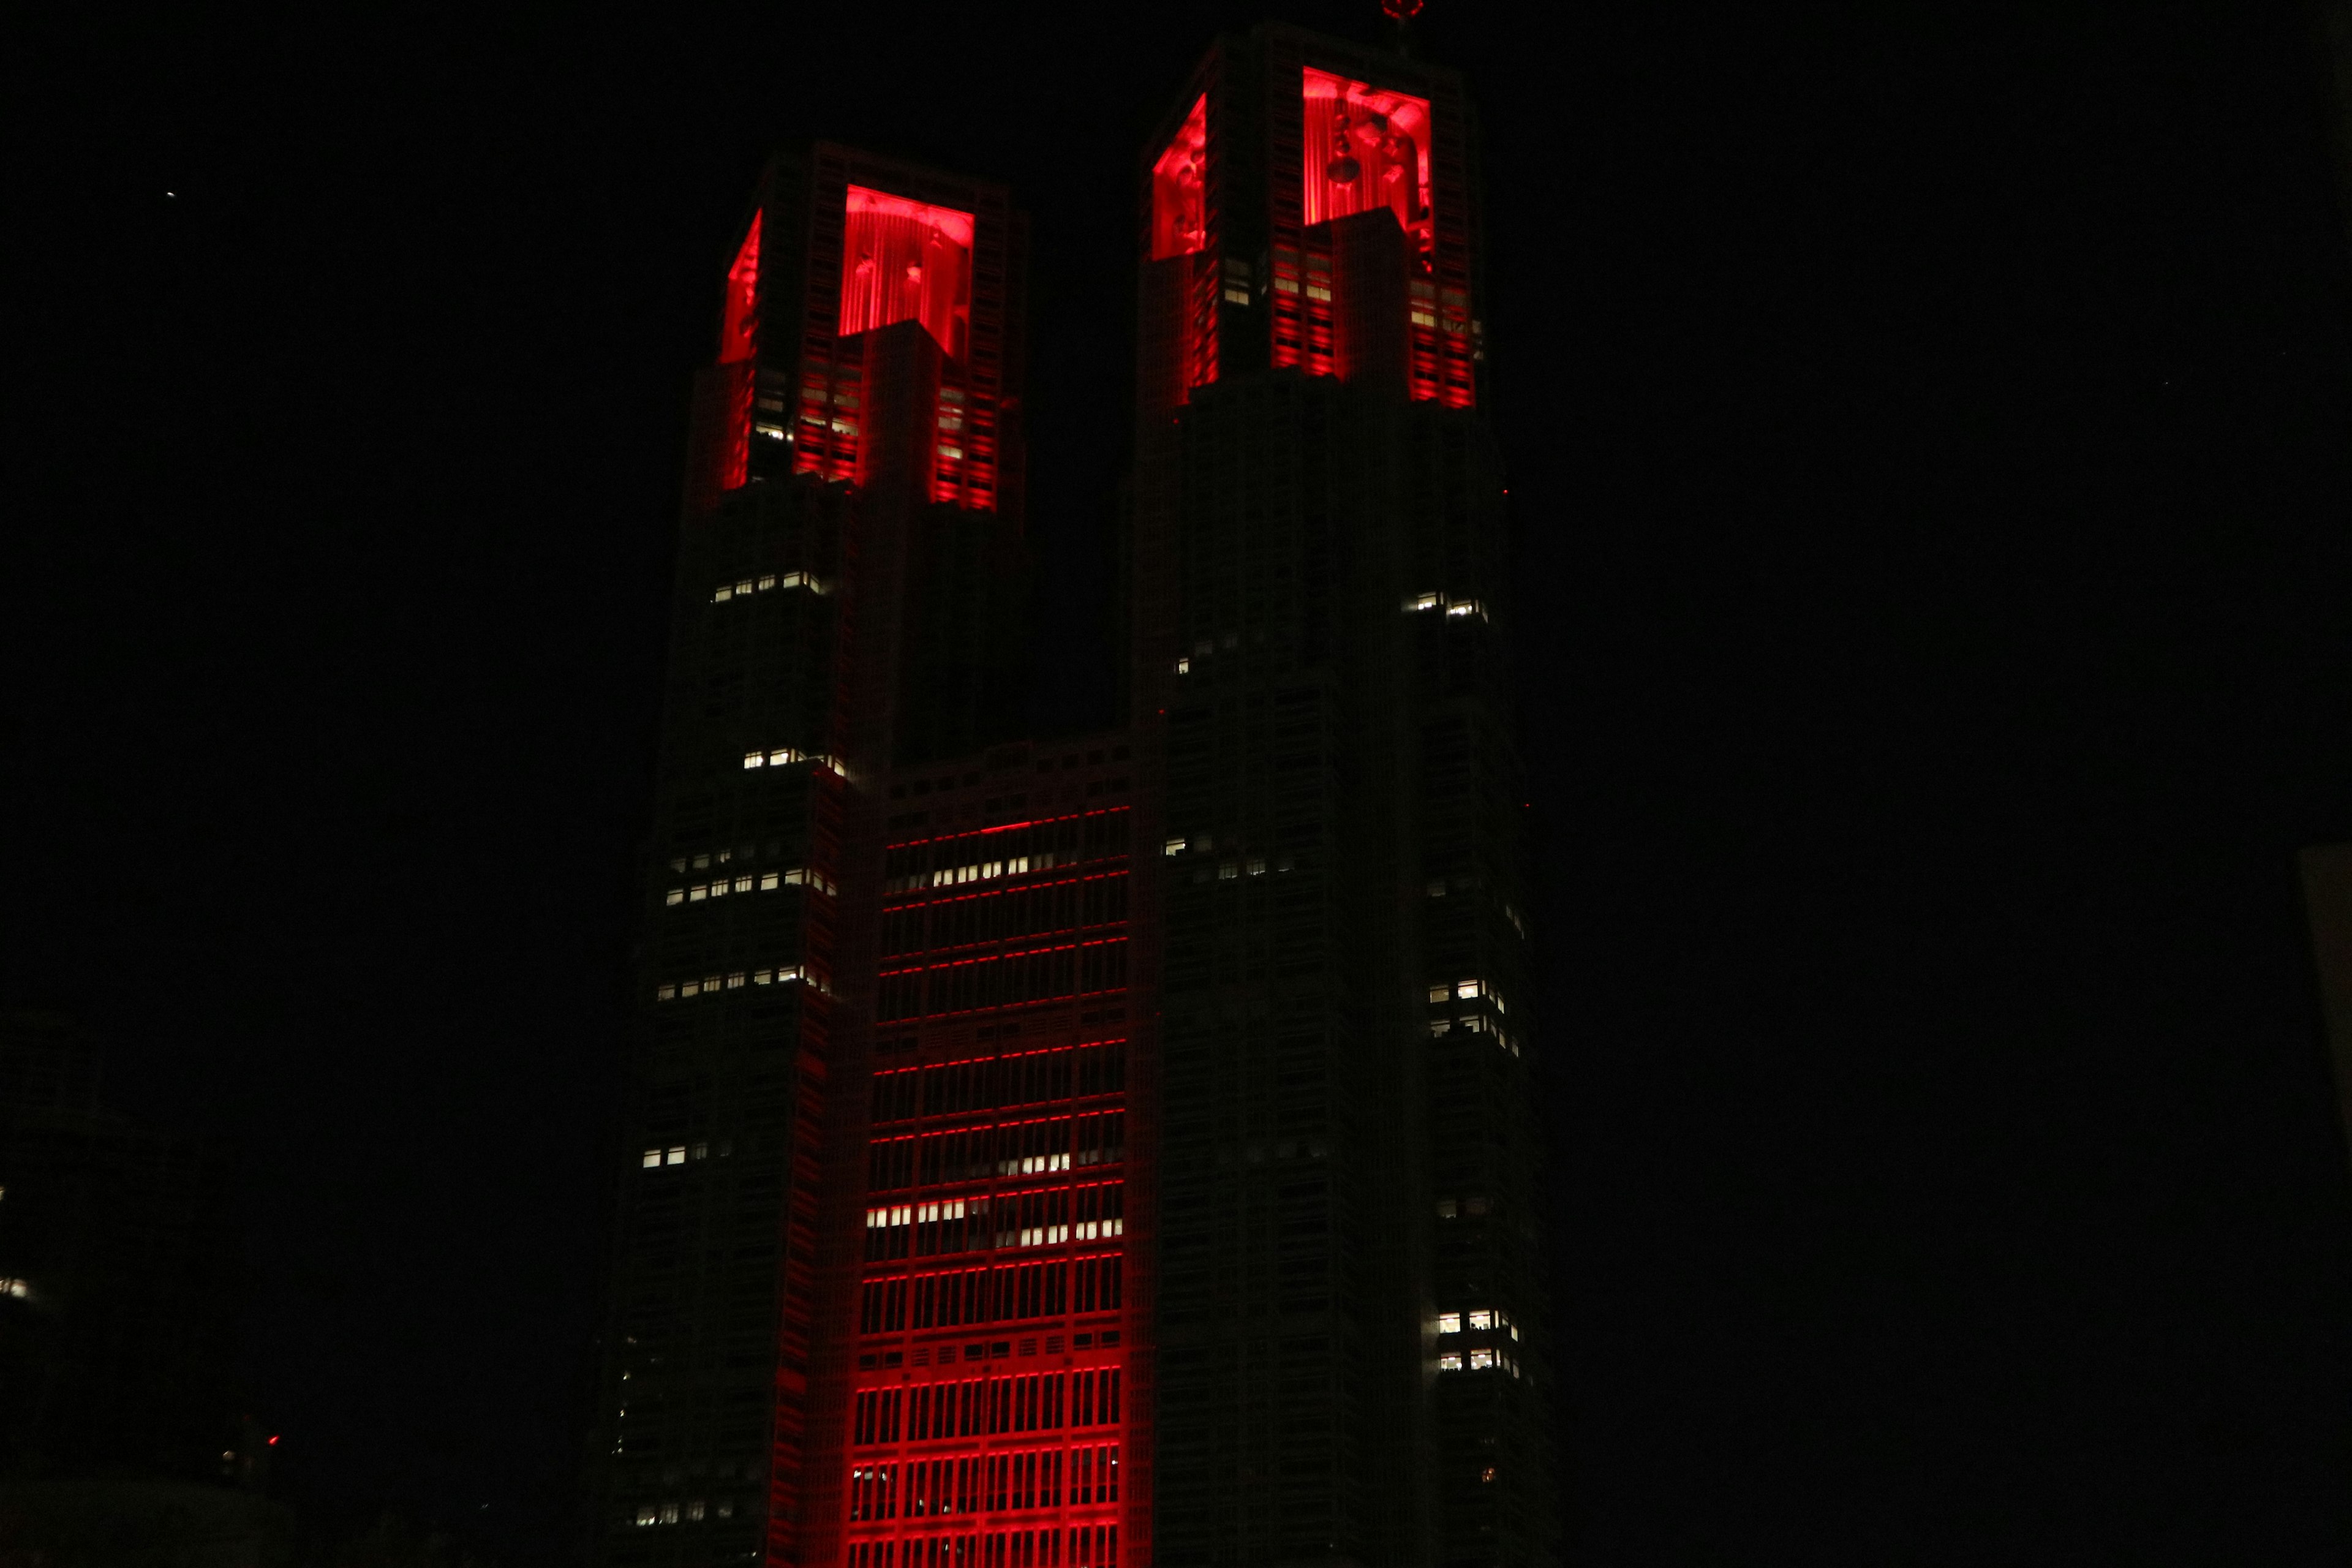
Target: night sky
{"x": 1931, "y": 443}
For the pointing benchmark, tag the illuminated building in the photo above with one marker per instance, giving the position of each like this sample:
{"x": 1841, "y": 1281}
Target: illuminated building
{"x": 870, "y": 1257}
{"x": 1080, "y": 1154}
{"x": 1350, "y": 1330}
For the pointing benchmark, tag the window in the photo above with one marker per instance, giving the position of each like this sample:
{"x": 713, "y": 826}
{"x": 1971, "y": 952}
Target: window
{"x": 676, "y": 1155}
{"x": 1480, "y": 1359}
{"x": 1450, "y": 1361}
{"x": 1449, "y": 1323}
{"x": 653, "y": 1158}
{"x": 1173, "y": 846}
{"x": 1482, "y": 1319}
{"x": 674, "y": 896}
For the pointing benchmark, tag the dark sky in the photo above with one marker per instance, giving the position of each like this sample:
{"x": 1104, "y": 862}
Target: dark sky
{"x": 1931, "y": 439}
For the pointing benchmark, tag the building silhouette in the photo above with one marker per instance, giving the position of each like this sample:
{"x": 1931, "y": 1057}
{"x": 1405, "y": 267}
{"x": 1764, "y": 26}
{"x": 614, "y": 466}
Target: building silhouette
{"x": 1116, "y": 1148}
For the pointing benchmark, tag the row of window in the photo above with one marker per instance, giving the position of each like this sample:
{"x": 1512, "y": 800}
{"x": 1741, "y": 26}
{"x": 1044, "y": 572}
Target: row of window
{"x": 1002, "y": 981}
{"x": 985, "y": 1483}
{"x": 997, "y": 1083}
{"x": 783, "y": 756}
{"x": 1468, "y": 991}
{"x": 1416, "y": 603}
{"x": 745, "y": 587}
{"x": 763, "y": 882}
{"x": 692, "y": 1512}
{"x": 993, "y": 1407}
{"x": 1475, "y": 1024}
{"x": 785, "y": 975}
{"x": 1005, "y": 913}
{"x": 1479, "y": 1320}
{"x": 1476, "y": 1361}
{"x": 1080, "y": 1546}
{"x": 678, "y": 1153}
{"x": 1004, "y": 1293}
{"x": 1091, "y": 1213}
{"x": 1011, "y": 1149}
{"x": 1060, "y": 841}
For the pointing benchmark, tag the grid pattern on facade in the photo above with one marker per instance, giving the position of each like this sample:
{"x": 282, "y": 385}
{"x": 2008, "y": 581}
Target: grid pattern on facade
{"x": 988, "y": 1410}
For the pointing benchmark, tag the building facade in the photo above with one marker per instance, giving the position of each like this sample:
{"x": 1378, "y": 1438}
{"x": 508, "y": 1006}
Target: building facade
{"x": 1116, "y": 1149}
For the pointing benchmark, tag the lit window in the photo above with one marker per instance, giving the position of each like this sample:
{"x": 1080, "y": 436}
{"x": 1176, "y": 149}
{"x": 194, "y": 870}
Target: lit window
{"x": 679, "y": 864}
{"x": 718, "y": 890}
{"x": 1449, "y": 1323}
{"x": 948, "y": 451}
{"x": 761, "y": 976}
{"x": 1481, "y": 1359}
{"x": 665, "y": 992}
{"x": 1238, "y": 296}
{"x": 1257, "y": 866}
{"x": 647, "y": 1516}
{"x": 669, "y": 1513}
{"x": 742, "y": 884}
{"x": 723, "y": 595}
{"x": 744, "y": 586}
{"x": 1424, "y": 602}
{"x": 754, "y": 759}
{"x": 653, "y": 1158}
{"x": 698, "y": 892}
{"x": 1466, "y": 990}
{"x": 691, "y": 988}
{"x": 1450, "y": 1361}
{"x": 674, "y": 896}
{"x": 694, "y": 1508}
{"x": 1173, "y": 846}
{"x": 735, "y": 979}
{"x": 768, "y": 882}
{"x": 1440, "y": 992}
{"x": 1482, "y": 1319}
{"x": 768, "y": 582}
{"x": 782, "y": 755}
{"x": 1184, "y": 666}
{"x": 1440, "y": 1026}
{"x": 676, "y": 1155}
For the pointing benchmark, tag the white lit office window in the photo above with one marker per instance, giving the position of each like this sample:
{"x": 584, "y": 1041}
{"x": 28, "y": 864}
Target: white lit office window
{"x": 676, "y": 1155}
{"x": 653, "y": 1158}
{"x": 674, "y": 896}
{"x": 1449, "y": 1323}
{"x": 1450, "y": 1361}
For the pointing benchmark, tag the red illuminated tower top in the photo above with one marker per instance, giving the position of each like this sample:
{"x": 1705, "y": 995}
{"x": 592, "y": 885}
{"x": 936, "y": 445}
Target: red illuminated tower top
{"x": 1281, "y": 137}
{"x": 840, "y": 244}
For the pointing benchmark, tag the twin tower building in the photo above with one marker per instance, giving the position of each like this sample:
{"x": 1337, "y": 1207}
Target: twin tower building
{"x": 1110, "y": 1151}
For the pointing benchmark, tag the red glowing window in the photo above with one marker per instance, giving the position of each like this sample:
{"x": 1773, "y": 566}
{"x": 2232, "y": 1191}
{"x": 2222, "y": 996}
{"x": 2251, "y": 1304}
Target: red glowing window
{"x": 1178, "y": 197}
{"x": 907, "y": 261}
{"x": 742, "y": 298}
{"x": 1366, "y": 148}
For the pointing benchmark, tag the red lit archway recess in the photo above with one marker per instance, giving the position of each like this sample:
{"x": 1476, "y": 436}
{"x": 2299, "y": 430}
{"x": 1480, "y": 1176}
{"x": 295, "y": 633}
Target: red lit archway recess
{"x": 738, "y": 335}
{"x": 902, "y": 259}
{"x": 1180, "y": 227}
{"x": 990, "y": 1408}
{"x": 1362, "y": 149}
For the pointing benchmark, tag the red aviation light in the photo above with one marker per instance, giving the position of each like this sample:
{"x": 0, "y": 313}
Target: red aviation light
{"x": 905, "y": 260}
{"x": 1366, "y": 148}
{"x": 1180, "y": 210}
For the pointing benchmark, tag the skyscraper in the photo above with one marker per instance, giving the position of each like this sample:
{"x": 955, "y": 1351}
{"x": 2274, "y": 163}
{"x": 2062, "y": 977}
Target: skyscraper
{"x": 1116, "y": 1148}
{"x": 1350, "y": 1323}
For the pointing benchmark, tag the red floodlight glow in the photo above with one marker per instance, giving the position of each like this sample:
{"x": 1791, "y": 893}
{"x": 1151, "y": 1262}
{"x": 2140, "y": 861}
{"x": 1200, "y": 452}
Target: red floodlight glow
{"x": 906, "y": 261}
{"x": 1178, "y": 196}
{"x": 743, "y": 296}
{"x": 1366, "y": 148}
